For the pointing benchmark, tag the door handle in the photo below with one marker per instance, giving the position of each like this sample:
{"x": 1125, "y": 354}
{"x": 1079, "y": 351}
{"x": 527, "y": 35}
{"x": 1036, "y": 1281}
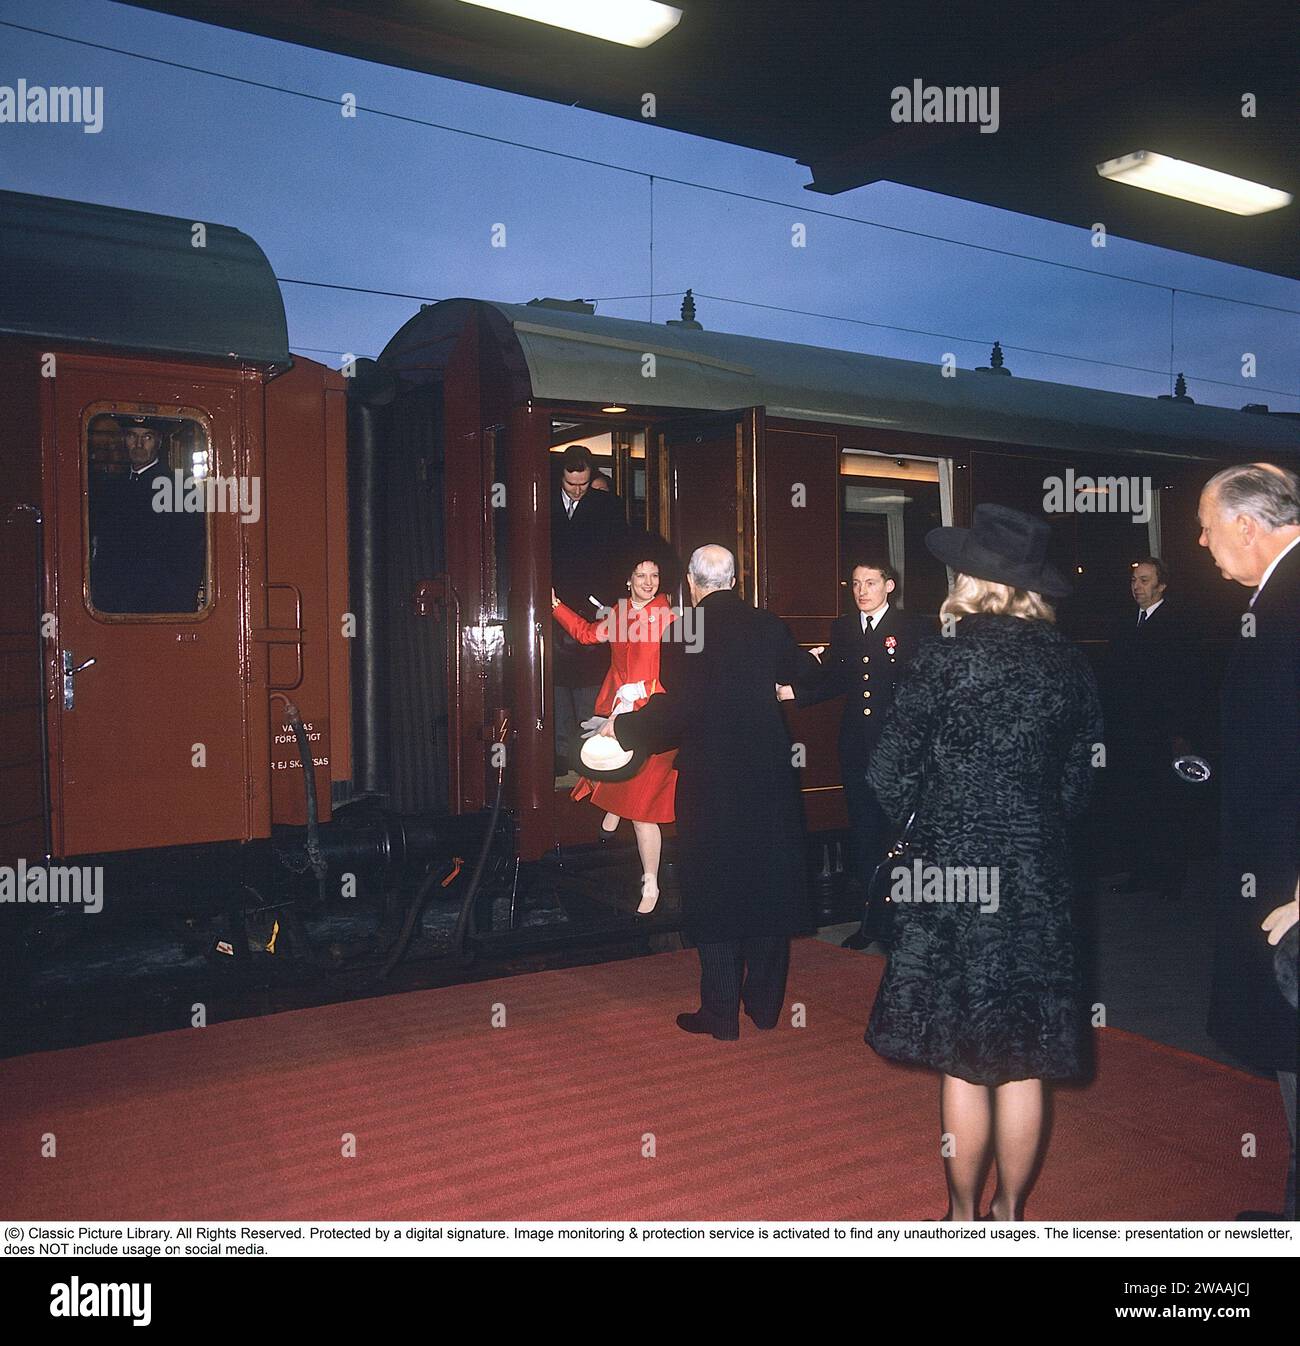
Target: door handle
{"x": 69, "y": 673}
{"x": 540, "y": 636}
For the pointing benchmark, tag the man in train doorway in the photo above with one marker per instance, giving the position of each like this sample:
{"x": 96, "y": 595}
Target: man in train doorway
{"x": 869, "y": 652}
{"x": 740, "y": 840}
{"x": 586, "y": 533}
{"x": 1250, "y": 522}
{"x": 143, "y": 559}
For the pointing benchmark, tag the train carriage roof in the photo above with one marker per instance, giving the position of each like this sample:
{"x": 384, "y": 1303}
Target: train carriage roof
{"x": 133, "y": 281}
{"x": 586, "y": 358}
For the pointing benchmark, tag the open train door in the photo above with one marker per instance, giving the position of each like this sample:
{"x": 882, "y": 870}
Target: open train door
{"x": 148, "y": 674}
{"x": 702, "y": 480}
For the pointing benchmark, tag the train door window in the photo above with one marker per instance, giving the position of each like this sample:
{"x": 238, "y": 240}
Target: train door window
{"x": 147, "y": 506}
{"x": 887, "y": 505}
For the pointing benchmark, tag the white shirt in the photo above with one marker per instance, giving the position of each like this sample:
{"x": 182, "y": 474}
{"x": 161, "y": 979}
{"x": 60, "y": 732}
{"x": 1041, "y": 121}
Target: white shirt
{"x": 872, "y": 619}
{"x": 1272, "y": 567}
{"x": 570, "y": 504}
{"x": 140, "y": 471}
{"x": 1149, "y": 610}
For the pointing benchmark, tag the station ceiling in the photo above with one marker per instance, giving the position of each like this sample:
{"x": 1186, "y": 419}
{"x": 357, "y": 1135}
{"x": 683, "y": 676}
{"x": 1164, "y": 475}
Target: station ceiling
{"x": 813, "y": 81}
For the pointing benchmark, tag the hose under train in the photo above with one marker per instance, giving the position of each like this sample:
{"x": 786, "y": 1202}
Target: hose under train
{"x": 465, "y": 919}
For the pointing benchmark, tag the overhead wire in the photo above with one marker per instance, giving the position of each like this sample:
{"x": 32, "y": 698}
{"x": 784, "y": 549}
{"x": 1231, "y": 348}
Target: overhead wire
{"x": 802, "y": 207}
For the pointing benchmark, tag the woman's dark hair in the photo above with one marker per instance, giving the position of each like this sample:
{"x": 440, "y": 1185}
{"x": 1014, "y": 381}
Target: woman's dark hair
{"x": 645, "y": 546}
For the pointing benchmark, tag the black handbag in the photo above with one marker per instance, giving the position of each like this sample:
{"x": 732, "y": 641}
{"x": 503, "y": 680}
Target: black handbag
{"x": 878, "y": 922}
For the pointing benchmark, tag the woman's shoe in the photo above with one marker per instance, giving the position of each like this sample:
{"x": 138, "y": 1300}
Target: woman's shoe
{"x": 607, "y": 833}
{"x": 649, "y": 894}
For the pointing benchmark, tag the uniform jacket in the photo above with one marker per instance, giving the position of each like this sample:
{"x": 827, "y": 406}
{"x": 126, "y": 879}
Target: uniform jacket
{"x": 865, "y": 668}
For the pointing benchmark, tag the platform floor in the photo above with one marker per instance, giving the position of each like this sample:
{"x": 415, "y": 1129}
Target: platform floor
{"x": 571, "y": 1094}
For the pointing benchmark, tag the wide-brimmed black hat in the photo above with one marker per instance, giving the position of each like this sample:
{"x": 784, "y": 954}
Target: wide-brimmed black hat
{"x": 1004, "y": 546}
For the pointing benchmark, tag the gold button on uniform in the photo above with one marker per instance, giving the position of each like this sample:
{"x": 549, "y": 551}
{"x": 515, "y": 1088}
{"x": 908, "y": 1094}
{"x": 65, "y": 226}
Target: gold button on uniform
{"x": 866, "y": 658}
{"x": 866, "y": 710}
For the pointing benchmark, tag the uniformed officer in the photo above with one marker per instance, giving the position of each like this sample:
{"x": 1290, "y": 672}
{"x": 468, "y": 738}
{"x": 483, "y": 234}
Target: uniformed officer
{"x": 869, "y": 652}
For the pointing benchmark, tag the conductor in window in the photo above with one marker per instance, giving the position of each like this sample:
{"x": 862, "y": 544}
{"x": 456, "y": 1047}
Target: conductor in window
{"x": 145, "y": 557}
{"x": 870, "y": 649}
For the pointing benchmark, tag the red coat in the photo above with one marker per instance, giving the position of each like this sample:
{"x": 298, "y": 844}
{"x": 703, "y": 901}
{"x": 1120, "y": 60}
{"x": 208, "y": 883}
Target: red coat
{"x": 633, "y": 636}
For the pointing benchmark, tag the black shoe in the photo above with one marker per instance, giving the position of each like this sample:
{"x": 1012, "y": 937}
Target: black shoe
{"x": 859, "y": 939}
{"x": 696, "y": 1023}
{"x": 1275, "y": 1215}
{"x": 758, "y": 1023}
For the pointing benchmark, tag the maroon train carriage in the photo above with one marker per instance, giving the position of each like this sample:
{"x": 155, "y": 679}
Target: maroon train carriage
{"x": 332, "y": 696}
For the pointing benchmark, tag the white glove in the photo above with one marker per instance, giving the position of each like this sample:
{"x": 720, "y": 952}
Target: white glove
{"x": 594, "y": 725}
{"x": 631, "y": 692}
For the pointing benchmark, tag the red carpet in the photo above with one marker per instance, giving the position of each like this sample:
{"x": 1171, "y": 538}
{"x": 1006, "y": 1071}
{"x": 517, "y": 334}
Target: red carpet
{"x": 545, "y": 1118}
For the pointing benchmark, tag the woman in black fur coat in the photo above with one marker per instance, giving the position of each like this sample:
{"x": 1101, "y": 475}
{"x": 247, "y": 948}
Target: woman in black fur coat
{"x": 992, "y": 739}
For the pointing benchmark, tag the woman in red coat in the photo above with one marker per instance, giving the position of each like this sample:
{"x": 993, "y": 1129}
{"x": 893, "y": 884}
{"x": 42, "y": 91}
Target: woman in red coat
{"x": 634, "y": 631}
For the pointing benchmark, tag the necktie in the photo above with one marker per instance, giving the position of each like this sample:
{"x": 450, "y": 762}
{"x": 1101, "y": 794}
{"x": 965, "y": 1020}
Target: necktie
{"x": 1142, "y": 617}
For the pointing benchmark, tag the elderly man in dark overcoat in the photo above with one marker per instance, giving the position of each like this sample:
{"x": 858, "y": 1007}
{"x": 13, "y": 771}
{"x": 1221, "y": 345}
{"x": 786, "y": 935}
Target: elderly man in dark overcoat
{"x": 740, "y": 834}
{"x": 1250, "y": 521}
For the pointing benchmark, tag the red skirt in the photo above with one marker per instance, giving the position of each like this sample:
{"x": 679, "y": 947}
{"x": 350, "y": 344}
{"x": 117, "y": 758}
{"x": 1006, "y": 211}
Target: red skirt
{"x": 647, "y": 798}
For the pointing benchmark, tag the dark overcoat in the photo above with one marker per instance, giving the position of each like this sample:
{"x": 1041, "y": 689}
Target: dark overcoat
{"x": 1155, "y": 686}
{"x": 586, "y": 551}
{"x": 1001, "y": 719}
{"x": 740, "y": 832}
{"x": 1260, "y": 817}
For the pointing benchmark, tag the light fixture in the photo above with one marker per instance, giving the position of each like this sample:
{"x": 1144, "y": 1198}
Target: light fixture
{"x": 634, "y": 23}
{"x": 1191, "y": 182}
{"x": 613, "y": 407}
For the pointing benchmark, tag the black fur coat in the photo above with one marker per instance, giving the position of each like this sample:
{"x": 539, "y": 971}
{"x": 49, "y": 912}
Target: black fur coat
{"x": 1003, "y": 717}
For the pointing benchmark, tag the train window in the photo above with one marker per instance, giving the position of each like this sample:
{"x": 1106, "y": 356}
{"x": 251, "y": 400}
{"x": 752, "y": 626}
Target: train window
{"x": 147, "y": 520}
{"x": 886, "y": 508}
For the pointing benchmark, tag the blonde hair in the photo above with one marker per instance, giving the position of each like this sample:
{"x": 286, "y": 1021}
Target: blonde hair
{"x": 971, "y": 595}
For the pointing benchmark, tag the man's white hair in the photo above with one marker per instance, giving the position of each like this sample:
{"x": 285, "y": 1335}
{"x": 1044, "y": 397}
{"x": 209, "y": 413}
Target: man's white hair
{"x": 1268, "y": 494}
{"x": 712, "y": 567}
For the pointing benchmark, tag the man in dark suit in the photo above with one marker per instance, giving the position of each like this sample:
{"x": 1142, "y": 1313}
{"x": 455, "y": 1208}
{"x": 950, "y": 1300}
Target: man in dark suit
{"x": 869, "y": 652}
{"x": 741, "y": 858}
{"x": 1250, "y": 521}
{"x": 144, "y": 559}
{"x": 586, "y": 537}
{"x": 1155, "y": 687}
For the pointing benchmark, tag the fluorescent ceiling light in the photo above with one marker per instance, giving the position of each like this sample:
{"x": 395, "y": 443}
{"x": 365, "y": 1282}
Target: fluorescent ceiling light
{"x": 634, "y": 23}
{"x": 1191, "y": 182}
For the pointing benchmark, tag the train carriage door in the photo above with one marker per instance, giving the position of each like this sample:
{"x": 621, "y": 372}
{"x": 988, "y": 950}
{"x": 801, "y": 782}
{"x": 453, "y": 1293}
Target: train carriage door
{"x": 704, "y": 477}
{"x": 148, "y": 743}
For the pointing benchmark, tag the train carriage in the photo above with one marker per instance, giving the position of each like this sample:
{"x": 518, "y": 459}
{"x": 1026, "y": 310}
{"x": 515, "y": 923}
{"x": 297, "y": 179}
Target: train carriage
{"x": 361, "y": 679}
{"x": 799, "y": 459}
